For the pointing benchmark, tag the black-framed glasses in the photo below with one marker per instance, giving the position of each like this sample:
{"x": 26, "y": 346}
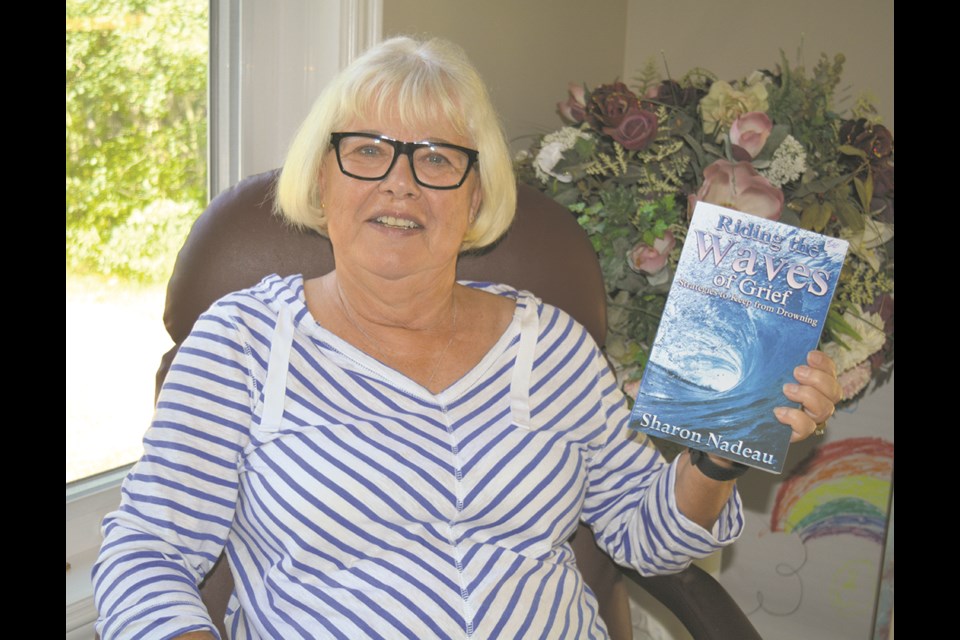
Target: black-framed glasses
{"x": 435, "y": 165}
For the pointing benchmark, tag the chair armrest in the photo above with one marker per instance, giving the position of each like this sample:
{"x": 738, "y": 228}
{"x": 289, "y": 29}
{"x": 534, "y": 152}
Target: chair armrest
{"x": 700, "y": 603}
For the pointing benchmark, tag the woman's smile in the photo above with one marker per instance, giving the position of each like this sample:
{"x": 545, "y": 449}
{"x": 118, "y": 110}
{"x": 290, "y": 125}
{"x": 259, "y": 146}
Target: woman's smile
{"x": 392, "y": 222}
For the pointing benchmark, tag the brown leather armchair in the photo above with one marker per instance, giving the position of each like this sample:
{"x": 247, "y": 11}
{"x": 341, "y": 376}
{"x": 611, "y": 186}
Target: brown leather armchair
{"x": 237, "y": 241}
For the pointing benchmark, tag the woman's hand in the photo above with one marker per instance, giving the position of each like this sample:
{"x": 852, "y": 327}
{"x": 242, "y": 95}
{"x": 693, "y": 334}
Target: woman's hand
{"x": 817, "y": 389}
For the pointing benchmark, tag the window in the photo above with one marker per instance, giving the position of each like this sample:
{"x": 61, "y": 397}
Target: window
{"x": 136, "y": 179}
{"x": 259, "y": 49}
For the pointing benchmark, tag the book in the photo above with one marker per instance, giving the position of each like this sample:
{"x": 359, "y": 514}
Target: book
{"x": 747, "y": 303}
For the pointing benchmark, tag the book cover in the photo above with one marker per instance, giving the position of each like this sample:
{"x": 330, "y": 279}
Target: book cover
{"x": 747, "y": 303}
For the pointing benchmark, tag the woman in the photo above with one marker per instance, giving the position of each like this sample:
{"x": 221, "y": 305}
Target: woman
{"x": 385, "y": 452}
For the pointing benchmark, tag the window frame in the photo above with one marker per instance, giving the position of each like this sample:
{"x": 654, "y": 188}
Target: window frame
{"x": 238, "y": 146}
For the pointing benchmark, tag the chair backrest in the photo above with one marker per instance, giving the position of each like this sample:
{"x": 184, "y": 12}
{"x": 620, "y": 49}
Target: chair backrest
{"x": 237, "y": 241}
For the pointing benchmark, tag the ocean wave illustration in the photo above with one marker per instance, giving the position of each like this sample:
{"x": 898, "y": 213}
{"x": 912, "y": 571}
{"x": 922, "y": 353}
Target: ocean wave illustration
{"x": 721, "y": 369}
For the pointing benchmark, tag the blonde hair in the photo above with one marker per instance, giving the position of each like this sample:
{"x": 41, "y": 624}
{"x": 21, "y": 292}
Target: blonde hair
{"x": 422, "y": 82}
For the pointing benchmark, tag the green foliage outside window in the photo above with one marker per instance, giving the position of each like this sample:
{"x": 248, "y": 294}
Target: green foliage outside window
{"x": 136, "y": 133}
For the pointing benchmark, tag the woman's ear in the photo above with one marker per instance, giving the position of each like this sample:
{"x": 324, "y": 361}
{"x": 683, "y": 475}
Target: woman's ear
{"x": 321, "y": 182}
{"x": 475, "y": 201}
{"x": 321, "y": 179}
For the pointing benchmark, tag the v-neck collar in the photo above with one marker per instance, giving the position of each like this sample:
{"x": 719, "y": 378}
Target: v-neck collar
{"x": 308, "y": 325}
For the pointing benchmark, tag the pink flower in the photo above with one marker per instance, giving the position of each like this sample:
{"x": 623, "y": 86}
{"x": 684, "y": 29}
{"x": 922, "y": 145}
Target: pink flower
{"x": 853, "y": 381}
{"x": 574, "y": 110}
{"x": 650, "y": 260}
{"x": 635, "y": 131}
{"x": 749, "y": 133}
{"x": 739, "y": 186}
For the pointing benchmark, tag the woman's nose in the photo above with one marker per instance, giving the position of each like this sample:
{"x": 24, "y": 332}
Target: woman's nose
{"x": 399, "y": 180}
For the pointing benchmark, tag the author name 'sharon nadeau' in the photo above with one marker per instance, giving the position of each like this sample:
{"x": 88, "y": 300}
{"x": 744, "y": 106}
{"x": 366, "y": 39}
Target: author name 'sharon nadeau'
{"x": 715, "y": 440}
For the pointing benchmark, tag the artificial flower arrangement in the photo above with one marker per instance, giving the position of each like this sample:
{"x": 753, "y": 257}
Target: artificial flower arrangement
{"x": 630, "y": 163}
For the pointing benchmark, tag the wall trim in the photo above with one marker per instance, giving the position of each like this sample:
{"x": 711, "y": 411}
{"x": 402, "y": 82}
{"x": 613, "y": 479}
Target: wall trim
{"x": 361, "y": 26}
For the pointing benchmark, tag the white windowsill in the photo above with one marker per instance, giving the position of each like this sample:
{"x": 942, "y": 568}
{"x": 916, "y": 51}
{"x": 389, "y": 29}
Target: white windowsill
{"x": 87, "y": 502}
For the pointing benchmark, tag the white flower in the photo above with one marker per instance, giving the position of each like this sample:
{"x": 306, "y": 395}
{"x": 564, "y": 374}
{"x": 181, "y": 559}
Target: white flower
{"x": 869, "y": 326}
{"x": 554, "y": 146}
{"x": 757, "y": 77}
{"x": 550, "y": 154}
{"x": 567, "y": 135}
{"x": 788, "y": 164}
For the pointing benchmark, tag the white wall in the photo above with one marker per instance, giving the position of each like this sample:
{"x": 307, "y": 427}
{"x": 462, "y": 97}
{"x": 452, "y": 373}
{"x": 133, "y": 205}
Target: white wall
{"x": 734, "y": 37}
{"x": 527, "y": 50}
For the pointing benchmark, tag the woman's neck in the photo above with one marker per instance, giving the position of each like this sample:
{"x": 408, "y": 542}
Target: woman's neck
{"x": 422, "y": 302}
{"x": 431, "y": 331}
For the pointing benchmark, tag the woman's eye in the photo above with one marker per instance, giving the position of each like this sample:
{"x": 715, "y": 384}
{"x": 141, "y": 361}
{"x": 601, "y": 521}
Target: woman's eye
{"x": 369, "y": 150}
{"x": 437, "y": 159}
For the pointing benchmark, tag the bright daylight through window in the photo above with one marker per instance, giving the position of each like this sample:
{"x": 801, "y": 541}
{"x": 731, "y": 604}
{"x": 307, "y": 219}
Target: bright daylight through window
{"x": 136, "y": 179}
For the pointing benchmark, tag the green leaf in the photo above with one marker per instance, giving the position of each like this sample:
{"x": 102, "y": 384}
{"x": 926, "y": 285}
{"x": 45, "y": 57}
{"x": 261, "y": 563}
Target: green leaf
{"x": 849, "y": 216}
{"x": 680, "y": 123}
{"x": 827, "y": 211}
{"x": 850, "y": 150}
{"x": 567, "y": 197}
{"x": 865, "y": 189}
{"x": 777, "y": 136}
{"x": 816, "y": 215}
{"x": 820, "y": 186}
{"x": 841, "y": 326}
{"x": 788, "y": 216}
{"x": 697, "y": 150}
{"x": 584, "y": 147}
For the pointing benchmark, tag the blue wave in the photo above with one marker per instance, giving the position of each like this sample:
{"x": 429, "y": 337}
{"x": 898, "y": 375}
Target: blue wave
{"x": 721, "y": 370}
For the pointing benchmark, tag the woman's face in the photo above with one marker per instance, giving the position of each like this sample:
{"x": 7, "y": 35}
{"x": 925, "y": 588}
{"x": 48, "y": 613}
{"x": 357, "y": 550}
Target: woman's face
{"x": 394, "y": 227}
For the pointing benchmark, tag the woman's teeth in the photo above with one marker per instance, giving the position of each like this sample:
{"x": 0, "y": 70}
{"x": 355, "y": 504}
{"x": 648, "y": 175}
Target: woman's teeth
{"x": 400, "y": 223}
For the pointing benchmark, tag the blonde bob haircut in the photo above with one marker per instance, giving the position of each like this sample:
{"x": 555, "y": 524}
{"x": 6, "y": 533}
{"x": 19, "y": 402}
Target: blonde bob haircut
{"x": 421, "y": 82}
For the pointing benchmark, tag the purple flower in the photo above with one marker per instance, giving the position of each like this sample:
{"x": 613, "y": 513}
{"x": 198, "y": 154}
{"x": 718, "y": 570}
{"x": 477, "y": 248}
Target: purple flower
{"x": 609, "y": 104}
{"x": 635, "y": 131}
{"x": 874, "y": 139}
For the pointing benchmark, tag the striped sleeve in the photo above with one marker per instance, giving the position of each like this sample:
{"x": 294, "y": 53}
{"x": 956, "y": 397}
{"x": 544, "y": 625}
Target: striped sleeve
{"x": 178, "y": 501}
{"x": 631, "y": 502}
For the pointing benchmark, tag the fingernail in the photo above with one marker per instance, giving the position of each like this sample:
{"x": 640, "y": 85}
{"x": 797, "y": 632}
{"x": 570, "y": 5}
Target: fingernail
{"x": 801, "y": 372}
{"x": 791, "y": 388}
{"x": 780, "y": 412}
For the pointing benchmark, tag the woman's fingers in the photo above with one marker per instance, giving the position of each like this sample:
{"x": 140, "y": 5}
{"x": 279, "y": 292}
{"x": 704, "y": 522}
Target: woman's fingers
{"x": 817, "y": 390}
